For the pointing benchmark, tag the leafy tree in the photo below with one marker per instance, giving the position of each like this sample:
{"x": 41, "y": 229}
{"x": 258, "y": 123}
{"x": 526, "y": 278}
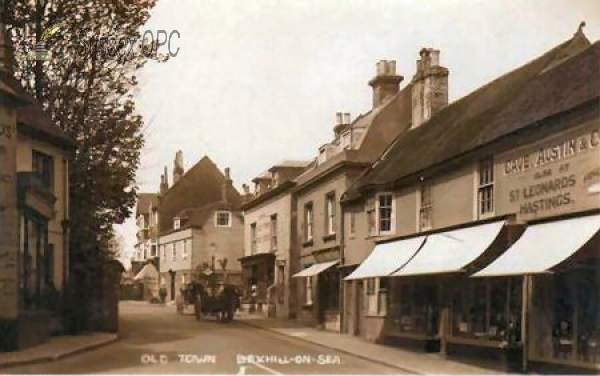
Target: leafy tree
{"x": 88, "y": 88}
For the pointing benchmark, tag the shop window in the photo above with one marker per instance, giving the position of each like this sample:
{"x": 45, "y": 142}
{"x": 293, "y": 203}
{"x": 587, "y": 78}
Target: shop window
{"x": 385, "y": 213}
{"x": 426, "y": 207}
{"x": 377, "y": 296}
{"x": 488, "y": 309}
{"x": 309, "y": 290}
{"x": 43, "y": 166}
{"x": 417, "y": 311}
{"x": 485, "y": 191}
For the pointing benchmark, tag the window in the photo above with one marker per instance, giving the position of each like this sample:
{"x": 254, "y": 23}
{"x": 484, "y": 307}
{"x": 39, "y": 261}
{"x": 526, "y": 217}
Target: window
{"x": 330, "y": 214}
{"x": 384, "y": 207}
{"x": 309, "y": 290}
{"x": 371, "y": 221}
{"x": 426, "y": 209}
{"x": 274, "y": 232}
{"x": 377, "y": 290}
{"x": 345, "y": 141}
{"x": 253, "y": 238}
{"x": 164, "y": 252}
{"x": 176, "y": 223}
{"x": 43, "y": 166}
{"x": 308, "y": 221}
{"x": 185, "y": 250}
{"x": 174, "y": 250}
{"x": 152, "y": 251}
{"x": 352, "y": 223}
{"x": 223, "y": 219}
{"x": 485, "y": 192}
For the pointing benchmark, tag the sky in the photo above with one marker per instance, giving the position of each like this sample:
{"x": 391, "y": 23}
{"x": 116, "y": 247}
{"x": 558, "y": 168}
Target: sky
{"x": 256, "y": 82}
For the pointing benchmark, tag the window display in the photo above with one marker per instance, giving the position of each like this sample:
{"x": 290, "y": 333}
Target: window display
{"x": 488, "y": 309}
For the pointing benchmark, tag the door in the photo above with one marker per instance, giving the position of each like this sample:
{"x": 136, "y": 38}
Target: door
{"x": 359, "y": 308}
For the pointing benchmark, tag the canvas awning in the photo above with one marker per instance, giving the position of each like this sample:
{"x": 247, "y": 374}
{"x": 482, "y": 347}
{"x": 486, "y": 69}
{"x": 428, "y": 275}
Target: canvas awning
{"x": 543, "y": 246}
{"x": 315, "y": 269}
{"x": 386, "y": 258}
{"x": 451, "y": 251}
{"x": 148, "y": 272}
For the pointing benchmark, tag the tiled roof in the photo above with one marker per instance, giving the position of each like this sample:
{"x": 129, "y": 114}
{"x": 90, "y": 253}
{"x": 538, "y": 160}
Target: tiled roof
{"x": 559, "y": 80}
{"x": 199, "y": 186}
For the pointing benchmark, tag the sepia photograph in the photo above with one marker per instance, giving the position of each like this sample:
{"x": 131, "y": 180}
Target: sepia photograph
{"x": 299, "y": 187}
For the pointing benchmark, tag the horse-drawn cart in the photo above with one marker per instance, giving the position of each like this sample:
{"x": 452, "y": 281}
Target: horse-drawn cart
{"x": 213, "y": 295}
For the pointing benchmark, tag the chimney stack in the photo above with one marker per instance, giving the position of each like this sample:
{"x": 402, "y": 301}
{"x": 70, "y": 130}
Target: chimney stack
{"x": 430, "y": 87}
{"x": 164, "y": 182}
{"x": 386, "y": 82}
{"x": 227, "y": 184}
{"x": 178, "y": 167}
{"x": 342, "y": 122}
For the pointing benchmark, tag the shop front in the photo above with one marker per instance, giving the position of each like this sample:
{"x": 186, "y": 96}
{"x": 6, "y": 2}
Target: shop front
{"x": 558, "y": 262}
{"x": 258, "y": 274}
{"x": 319, "y": 295}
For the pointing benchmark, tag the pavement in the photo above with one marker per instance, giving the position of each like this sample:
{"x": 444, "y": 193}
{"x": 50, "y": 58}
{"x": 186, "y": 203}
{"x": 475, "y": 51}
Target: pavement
{"x": 405, "y": 360}
{"x": 56, "y": 348}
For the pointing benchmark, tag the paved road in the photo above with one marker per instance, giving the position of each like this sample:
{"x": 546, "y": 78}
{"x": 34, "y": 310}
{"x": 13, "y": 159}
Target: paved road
{"x": 155, "y": 340}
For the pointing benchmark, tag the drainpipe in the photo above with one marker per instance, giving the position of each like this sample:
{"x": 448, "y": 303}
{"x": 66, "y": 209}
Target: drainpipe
{"x": 66, "y": 245}
{"x": 342, "y": 260}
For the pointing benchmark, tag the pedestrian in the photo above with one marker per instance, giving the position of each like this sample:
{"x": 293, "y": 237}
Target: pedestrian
{"x": 163, "y": 294}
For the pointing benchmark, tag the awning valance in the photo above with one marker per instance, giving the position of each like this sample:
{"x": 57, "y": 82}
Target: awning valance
{"x": 386, "y": 258}
{"x": 451, "y": 251}
{"x": 543, "y": 246}
{"x": 315, "y": 269}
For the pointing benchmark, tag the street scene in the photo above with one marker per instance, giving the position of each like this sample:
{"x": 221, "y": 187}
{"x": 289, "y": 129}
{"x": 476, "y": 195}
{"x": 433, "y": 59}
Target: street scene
{"x": 373, "y": 187}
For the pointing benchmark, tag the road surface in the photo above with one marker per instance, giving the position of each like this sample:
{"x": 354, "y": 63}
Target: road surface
{"x": 155, "y": 340}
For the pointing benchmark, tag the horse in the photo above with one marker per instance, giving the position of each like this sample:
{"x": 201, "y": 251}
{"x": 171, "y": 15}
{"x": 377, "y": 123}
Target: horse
{"x": 222, "y": 305}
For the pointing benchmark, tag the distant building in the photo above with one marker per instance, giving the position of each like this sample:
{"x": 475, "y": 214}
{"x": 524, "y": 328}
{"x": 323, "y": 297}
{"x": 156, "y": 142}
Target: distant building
{"x": 146, "y": 214}
{"x": 200, "y": 226}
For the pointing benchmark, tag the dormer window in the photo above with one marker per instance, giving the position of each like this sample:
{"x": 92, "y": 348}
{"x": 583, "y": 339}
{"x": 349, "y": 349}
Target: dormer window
{"x": 223, "y": 219}
{"x": 176, "y": 223}
{"x": 345, "y": 141}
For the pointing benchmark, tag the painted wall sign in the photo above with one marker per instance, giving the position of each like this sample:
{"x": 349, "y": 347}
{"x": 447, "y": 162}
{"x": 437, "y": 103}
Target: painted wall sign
{"x": 556, "y": 177}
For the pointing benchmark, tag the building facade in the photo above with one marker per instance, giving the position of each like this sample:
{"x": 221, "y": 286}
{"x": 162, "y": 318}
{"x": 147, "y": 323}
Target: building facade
{"x": 200, "y": 227}
{"x": 269, "y": 224}
{"x": 493, "y": 203}
{"x": 356, "y": 145}
{"x": 34, "y": 215}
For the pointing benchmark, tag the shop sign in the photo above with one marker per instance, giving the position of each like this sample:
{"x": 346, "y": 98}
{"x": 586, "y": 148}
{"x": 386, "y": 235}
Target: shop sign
{"x": 555, "y": 178}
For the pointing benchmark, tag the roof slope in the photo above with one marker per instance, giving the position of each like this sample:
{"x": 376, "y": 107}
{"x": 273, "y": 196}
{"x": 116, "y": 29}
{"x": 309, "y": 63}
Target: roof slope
{"x": 200, "y": 186}
{"x": 145, "y": 200}
{"x": 383, "y": 124}
{"x": 561, "y": 79}
{"x": 32, "y": 119}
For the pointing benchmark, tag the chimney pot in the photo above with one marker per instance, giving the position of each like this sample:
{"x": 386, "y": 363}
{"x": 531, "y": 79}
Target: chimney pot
{"x": 338, "y": 118}
{"x": 346, "y": 118}
{"x": 227, "y": 173}
{"x": 392, "y": 67}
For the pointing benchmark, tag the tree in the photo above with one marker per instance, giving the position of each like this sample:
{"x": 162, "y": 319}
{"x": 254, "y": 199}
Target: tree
{"x": 88, "y": 89}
